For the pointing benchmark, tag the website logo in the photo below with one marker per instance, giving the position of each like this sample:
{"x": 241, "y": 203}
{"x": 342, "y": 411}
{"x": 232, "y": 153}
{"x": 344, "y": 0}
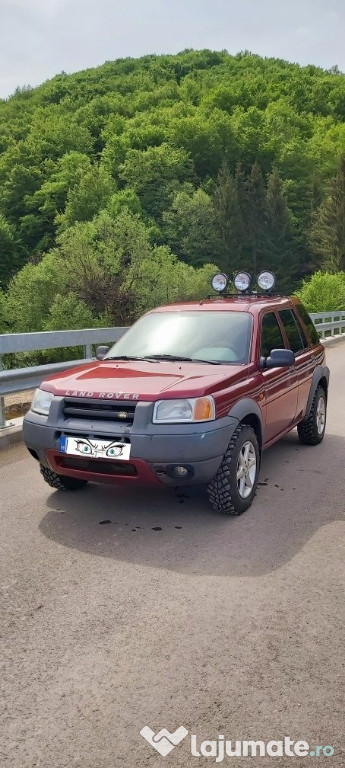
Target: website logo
{"x": 222, "y": 748}
{"x": 163, "y": 741}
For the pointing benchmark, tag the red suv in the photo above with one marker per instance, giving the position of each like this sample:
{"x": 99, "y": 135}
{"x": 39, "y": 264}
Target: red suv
{"x": 191, "y": 394}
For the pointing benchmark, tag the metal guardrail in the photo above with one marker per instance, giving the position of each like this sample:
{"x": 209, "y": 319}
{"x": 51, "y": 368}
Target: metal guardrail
{"x": 329, "y": 324}
{"x": 21, "y": 379}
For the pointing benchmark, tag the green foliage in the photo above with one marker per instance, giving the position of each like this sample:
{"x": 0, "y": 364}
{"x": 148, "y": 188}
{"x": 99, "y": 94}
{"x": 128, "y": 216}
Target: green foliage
{"x": 50, "y": 199}
{"x": 89, "y": 196}
{"x": 328, "y": 227}
{"x": 281, "y": 251}
{"x": 32, "y": 292}
{"x": 124, "y": 198}
{"x": 52, "y": 135}
{"x": 113, "y": 268}
{"x": 3, "y": 314}
{"x": 104, "y": 272}
{"x": 255, "y": 204}
{"x": 155, "y": 173}
{"x": 118, "y": 183}
{"x": 9, "y": 251}
{"x": 190, "y": 226}
{"x": 323, "y": 292}
{"x": 255, "y": 225}
{"x": 69, "y": 312}
{"x": 230, "y": 210}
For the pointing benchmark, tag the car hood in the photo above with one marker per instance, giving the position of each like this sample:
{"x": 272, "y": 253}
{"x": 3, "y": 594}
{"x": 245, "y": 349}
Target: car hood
{"x": 142, "y": 380}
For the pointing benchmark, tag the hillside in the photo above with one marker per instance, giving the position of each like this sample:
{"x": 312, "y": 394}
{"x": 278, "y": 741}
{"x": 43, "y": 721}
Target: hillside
{"x": 119, "y": 185}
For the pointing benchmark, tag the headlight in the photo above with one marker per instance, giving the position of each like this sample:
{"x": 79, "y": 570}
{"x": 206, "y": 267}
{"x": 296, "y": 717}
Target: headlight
{"x": 179, "y": 411}
{"x": 41, "y": 402}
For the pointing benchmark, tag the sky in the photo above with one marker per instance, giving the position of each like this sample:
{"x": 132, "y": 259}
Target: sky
{"x": 41, "y": 38}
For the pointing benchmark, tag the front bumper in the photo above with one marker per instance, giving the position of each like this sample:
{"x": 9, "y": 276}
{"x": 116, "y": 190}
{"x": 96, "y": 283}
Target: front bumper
{"x": 155, "y": 449}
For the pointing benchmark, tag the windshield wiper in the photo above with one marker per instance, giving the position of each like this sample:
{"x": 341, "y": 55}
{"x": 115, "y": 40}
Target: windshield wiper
{"x": 169, "y": 357}
{"x": 127, "y": 357}
{"x": 157, "y": 358}
{"x": 209, "y": 362}
{"x": 179, "y": 358}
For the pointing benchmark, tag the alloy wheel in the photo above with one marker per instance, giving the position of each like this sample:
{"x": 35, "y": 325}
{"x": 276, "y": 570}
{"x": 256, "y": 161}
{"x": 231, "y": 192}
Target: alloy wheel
{"x": 246, "y": 469}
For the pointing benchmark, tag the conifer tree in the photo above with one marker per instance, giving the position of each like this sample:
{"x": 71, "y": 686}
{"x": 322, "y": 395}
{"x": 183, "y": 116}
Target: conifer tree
{"x": 281, "y": 252}
{"x": 229, "y": 220}
{"x": 327, "y": 235}
{"x": 255, "y": 219}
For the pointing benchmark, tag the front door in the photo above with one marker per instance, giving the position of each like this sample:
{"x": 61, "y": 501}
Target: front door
{"x": 280, "y": 384}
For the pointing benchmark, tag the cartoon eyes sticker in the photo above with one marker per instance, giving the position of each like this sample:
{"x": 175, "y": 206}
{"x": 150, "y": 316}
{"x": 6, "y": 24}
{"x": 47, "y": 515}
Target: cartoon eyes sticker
{"x": 114, "y": 450}
{"x": 84, "y": 447}
{"x": 87, "y": 448}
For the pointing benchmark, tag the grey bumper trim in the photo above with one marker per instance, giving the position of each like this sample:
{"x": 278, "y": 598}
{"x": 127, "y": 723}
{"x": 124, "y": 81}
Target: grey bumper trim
{"x": 184, "y": 442}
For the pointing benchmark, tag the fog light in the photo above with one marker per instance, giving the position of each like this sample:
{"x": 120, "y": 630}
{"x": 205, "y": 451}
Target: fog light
{"x": 180, "y": 471}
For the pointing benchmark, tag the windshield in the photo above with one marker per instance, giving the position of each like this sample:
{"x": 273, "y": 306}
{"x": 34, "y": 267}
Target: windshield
{"x": 212, "y": 336}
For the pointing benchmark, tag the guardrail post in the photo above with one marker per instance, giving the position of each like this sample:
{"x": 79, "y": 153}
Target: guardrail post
{"x": 2, "y": 413}
{"x": 87, "y": 351}
{"x": 2, "y": 406}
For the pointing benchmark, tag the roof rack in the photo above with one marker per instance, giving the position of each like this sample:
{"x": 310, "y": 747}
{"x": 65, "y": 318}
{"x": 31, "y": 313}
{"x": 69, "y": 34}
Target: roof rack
{"x": 243, "y": 295}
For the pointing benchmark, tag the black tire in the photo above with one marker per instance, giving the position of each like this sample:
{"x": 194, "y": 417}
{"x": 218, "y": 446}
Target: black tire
{"x": 309, "y": 430}
{"x": 223, "y": 491}
{"x": 61, "y": 482}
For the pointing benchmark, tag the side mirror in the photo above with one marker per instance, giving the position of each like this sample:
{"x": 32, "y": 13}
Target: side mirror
{"x": 279, "y": 358}
{"x": 101, "y": 352}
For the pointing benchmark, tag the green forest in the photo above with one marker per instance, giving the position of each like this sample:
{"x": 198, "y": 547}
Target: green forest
{"x": 128, "y": 185}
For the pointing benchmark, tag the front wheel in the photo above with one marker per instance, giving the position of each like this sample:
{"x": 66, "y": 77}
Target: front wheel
{"x": 232, "y": 490}
{"x": 312, "y": 430}
{"x": 61, "y": 482}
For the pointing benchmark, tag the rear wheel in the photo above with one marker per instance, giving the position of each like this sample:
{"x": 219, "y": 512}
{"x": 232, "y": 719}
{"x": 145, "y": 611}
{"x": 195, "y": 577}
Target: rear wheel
{"x": 61, "y": 482}
{"x": 312, "y": 430}
{"x": 232, "y": 490}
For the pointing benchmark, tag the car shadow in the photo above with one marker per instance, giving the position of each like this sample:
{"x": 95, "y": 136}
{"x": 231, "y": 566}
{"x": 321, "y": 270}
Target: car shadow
{"x": 176, "y": 529}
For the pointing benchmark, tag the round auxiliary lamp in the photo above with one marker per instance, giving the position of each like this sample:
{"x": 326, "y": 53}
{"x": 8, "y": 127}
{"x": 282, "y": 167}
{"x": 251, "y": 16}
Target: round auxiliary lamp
{"x": 219, "y": 282}
{"x": 242, "y": 281}
{"x": 266, "y": 280}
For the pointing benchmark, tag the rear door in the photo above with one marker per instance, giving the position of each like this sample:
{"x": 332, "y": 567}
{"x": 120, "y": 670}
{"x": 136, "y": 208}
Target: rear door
{"x": 280, "y": 384}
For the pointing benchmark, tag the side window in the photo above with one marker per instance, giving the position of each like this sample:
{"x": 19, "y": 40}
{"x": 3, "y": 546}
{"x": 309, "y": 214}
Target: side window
{"x": 292, "y": 331}
{"x": 301, "y": 331}
{"x": 271, "y": 337}
{"x": 313, "y": 334}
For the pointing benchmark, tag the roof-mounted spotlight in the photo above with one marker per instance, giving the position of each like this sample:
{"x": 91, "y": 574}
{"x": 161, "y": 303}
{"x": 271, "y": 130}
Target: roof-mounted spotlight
{"x": 242, "y": 281}
{"x": 266, "y": 280}
{"x": 219, "y": 282}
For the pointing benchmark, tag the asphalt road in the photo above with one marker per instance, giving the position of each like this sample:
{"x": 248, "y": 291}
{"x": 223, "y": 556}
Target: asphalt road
{"x": 223, "y": 625}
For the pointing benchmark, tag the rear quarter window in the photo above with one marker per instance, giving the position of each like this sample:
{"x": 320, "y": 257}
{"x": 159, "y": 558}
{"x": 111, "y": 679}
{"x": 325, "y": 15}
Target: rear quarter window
{"x": 306, "y": 319}
{"x": 295, "y": 335}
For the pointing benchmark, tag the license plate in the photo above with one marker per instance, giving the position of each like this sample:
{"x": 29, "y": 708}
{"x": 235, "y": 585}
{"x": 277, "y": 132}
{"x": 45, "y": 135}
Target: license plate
{"x": 95, "y": 449}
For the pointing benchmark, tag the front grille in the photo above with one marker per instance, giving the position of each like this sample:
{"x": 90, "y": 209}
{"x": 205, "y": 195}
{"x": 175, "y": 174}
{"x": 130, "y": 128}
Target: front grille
{"x": 98, "y": 410}
{"x": 97, "y": 466}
